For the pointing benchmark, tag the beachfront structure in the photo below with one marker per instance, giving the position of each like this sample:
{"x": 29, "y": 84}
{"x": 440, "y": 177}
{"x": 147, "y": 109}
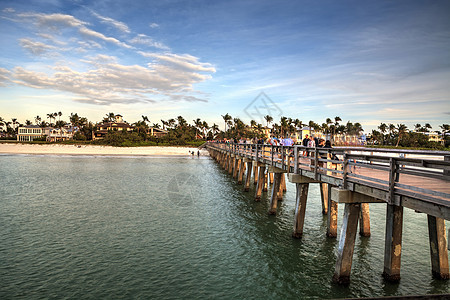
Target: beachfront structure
{"x": 435, "y": 137}
{"x": 60, "y": 134}
{"x": 30, "y": 133}
{"x": 156, "y": 132}
{"x": 117, "y": 125}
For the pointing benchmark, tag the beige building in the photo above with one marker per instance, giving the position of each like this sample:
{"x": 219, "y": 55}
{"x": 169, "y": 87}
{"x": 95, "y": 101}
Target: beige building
{"x": 29, "y": 133}
{"x": 60, "y": 134}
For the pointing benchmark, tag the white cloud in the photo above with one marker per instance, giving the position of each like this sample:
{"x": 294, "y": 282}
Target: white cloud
{"x": 53, "y": 22}
{"x": 34, "y": 47}
{"x": 186, "y": 62}
{"x": 94, "y": 34}
{"x": 153, "y": 25}
{"x": 4, "y": 76}
{"x": 143, "y": 39}
{"x": 8, "y": 10}
{"x": 119, "y": 25}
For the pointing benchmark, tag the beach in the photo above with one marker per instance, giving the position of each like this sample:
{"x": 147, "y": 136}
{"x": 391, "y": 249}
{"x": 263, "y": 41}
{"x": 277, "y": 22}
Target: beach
{"x": 60, "y": 149}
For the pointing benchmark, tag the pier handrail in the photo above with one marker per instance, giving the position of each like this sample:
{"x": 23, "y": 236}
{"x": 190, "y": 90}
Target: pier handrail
{"x": 422, "y": 175}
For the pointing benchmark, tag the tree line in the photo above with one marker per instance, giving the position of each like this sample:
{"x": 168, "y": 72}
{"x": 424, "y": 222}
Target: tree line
{"x": 180, "y": 131}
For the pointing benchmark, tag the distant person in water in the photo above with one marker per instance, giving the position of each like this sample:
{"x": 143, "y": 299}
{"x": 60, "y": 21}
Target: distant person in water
{"x": 198, "y": 153}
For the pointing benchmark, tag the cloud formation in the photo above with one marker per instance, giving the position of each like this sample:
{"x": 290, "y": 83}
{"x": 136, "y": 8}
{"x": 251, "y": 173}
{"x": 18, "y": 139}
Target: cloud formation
{"x": 86, "y": 70}
{"x": 119, "y": 25}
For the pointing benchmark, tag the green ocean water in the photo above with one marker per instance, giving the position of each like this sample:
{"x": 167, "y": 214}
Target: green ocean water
{"x": 92, "y": 227}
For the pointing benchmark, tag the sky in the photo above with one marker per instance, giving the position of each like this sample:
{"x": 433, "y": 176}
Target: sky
{"x": 364, "y": 61}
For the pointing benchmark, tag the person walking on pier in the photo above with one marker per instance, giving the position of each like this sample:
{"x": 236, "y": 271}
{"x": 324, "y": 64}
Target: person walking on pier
{"x": 305, "y": 143}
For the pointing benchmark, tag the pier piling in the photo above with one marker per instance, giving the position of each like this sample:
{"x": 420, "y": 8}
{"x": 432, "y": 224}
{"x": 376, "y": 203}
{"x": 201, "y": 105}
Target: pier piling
{"x": 300, "y": 208}
{"x": 393, "y": 243}
{"x": 347, "y": 243}
{"x": 438, "y": 247}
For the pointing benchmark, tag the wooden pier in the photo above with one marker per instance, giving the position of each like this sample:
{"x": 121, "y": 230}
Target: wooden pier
{"x": 417, "y": 180}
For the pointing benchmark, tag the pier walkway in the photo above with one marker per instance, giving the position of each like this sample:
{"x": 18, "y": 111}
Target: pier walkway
{"x": 417, "y": 180}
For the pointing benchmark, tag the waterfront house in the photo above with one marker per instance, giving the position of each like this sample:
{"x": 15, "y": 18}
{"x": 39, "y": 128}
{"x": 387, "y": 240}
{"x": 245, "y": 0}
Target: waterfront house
{"x": 30, "y": 133}
{"x": 156, "y": 132}
{"x": 60, "y": 134}
{"x": 117, "y": 125}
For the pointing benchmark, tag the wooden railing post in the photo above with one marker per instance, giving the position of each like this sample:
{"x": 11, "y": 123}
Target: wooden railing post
{"x": 257, "y": 151}
{"x": 282, "y": 158}
{"x": 316, "y": 162}
{"x": 393, "y": 178}
{"x": 271, "y": 150}
{"x": 296, "y": 159}
{"x": 345, "y": 170}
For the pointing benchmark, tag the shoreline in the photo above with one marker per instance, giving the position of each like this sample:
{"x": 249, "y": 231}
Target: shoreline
{"x": 97, "y": 150}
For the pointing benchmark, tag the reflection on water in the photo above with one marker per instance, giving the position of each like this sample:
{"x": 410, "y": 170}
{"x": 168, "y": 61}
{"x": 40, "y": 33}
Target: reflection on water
{"x": 104, "y": 227}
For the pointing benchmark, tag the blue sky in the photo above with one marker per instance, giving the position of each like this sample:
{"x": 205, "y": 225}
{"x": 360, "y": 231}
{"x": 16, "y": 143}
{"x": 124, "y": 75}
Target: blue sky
{"x": 365, "y": 61}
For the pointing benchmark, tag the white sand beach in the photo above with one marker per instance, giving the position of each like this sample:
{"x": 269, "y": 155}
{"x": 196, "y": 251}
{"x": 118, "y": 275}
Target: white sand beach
{"x": 55, "y": 149}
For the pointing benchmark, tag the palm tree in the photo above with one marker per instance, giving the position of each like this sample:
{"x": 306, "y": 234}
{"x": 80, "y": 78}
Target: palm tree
{"x": 28, "y": 122}
{"x": 197, "y": 124}
{"x": 164, "y": 124}
{"x": 401, "y": 128}
{"x": 268, "y": 119}
{"x": 59, "y": 116}
{"x": 383, "y": 129}
{"x": 226, "y": 118}
{"x": 37, "y": 120}
{"x": 156, "y": 125}
{"x": 171, "y": 123}
{"x": 205, "y": 127}
{"x": 110, "y": 117}
{"x": 214, "y": 129}
{"x": 283, "y": 125}
{"x": 181, "y": 121}
{"x": 336, "y": 124}
{"x": 445, "y": 129}
{"x": 14, "y": 122}
{"x": 50, "y": 116}
{"x": 145, "y": 119}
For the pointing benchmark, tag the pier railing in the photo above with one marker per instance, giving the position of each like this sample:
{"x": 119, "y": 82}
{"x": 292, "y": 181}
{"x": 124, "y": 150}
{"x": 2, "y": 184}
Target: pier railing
{"x": 400, "y": 175}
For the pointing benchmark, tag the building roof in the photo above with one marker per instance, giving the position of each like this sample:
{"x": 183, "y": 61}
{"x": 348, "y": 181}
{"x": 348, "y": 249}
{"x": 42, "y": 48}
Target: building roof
{"x": 115, "y": 124}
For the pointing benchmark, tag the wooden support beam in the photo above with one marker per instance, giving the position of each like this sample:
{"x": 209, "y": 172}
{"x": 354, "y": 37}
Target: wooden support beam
{"x": 438, "y": 247}
{"x": 283, "y": 183}
{"x": 237, "y": 164}
{"x": 280, "y": 190}
{"x": 332, "y": 216}
{"x": 271, "y": 178}
{"x": 300, "y": 208}
{"x": 230, "y": 164}
{"x": 393, "y": 243}
{"x": 347, "y": 196}
{"x": 241, "y": 171}
{"x": 248, "y": 178}
{"x": 265, "y": 189}
{"x": 324, "y": 197}
{"x": 260, "y": 184}
{"x": 275, "y": 191}
{"x": 297, "y": 178}
{"x": 255, "y": 173}
{"x": 347, "y": 243}
{"x": 364, "y": 220}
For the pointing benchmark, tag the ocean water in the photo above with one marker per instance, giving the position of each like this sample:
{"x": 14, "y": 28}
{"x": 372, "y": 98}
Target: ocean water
{"x": 169, "y": 228}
